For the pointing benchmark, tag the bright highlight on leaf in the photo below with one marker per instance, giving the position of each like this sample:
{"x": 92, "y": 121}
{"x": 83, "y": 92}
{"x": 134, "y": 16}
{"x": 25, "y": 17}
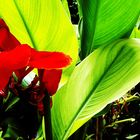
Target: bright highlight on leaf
{"x": 112, "y": 71}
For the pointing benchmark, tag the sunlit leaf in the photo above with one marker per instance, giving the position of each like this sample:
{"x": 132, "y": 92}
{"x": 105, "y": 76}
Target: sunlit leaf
{"x": 104, "y": 76}
{"x": 1, "y": 134}
{"x": 105, "y": 21}
{"x": 66, "y": 7}
{"x": 136, "y": 31}
{"x": 43, "y": 24}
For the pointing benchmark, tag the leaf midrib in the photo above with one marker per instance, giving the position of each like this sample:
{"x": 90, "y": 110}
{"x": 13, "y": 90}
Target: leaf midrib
{"x": 26, "y": 26}
{"x": 88, "y": 97}
{"x": 93, "y": 29}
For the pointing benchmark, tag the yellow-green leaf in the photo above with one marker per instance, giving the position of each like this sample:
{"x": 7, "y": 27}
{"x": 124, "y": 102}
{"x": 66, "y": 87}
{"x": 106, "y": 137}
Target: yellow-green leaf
{"x": 104, "y": 76}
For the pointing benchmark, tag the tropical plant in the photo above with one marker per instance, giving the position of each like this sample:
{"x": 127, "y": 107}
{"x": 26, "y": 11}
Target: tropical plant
{"x": 108, "y": 65}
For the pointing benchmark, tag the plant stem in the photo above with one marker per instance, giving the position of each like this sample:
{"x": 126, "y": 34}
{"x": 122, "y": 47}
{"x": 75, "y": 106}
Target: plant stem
{"x": 121, "y": 121}
{"x": 47, "y": 117}
{"x": 99, "y": 128}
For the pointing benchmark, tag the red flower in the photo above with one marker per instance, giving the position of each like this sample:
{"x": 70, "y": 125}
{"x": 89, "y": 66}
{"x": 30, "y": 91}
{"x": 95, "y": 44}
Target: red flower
{"x": 7, "y": 40}
{"x": 16, "y": 57}
{"x": 51, "y": 80}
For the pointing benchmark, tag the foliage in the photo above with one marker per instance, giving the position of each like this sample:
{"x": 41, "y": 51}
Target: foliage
{"x": 106, "y": 21}
{"x": 108, "y": 67}
{"x": 99, "y": 85}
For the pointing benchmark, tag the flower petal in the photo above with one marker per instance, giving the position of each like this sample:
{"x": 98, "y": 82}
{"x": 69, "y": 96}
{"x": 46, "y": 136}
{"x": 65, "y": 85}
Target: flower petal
{"x": 7, "y": 40}
{"x": 16, "y": 58}
{"x": 51, "y": 79}
{"x": 49, "y": 60}
{"x": 13, "y": 60}
{"x": 3, "y": 24}
{"x": 3, "y": 36}
{"x": 4, "y": 77}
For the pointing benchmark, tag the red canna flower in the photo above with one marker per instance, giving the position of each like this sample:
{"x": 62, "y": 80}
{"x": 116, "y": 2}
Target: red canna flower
{"x": 7, "y": 40}
{"x": 21, "y": 59}
{"x": 21, "y": 56}
{"x": 51, "y": 79}
{"x": 11, "y": 61}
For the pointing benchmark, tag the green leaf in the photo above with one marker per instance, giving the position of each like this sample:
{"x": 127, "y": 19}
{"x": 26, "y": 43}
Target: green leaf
{"x": 40, "y": 132}
{"x": 104, "y": 76}
{"x": 1, "y": 133}
{"x": 66, "y": 7}
{"x": 12, "y": 128}
{"x": 136, "y": 31}
{"x": 103, "y": 111}
{"x": 43, "y": 24}
{"x": 105, "y": 21}
{"x": 11, "y": 103}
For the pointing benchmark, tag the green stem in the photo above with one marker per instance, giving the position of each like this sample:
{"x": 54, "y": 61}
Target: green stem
{"x": 121, "y": 121}
{"x": 47, "y": 117}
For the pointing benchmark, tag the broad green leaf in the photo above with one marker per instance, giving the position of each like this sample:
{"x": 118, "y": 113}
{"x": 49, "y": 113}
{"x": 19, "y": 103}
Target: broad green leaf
{"x": 103, "y": 111}
{"x": 43, "y": 24}
{"x": 136, "y": 31}
{"x": 104, "y": 76}
{"x": 66, "y": 7}
{"x": 105, "y": 21}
